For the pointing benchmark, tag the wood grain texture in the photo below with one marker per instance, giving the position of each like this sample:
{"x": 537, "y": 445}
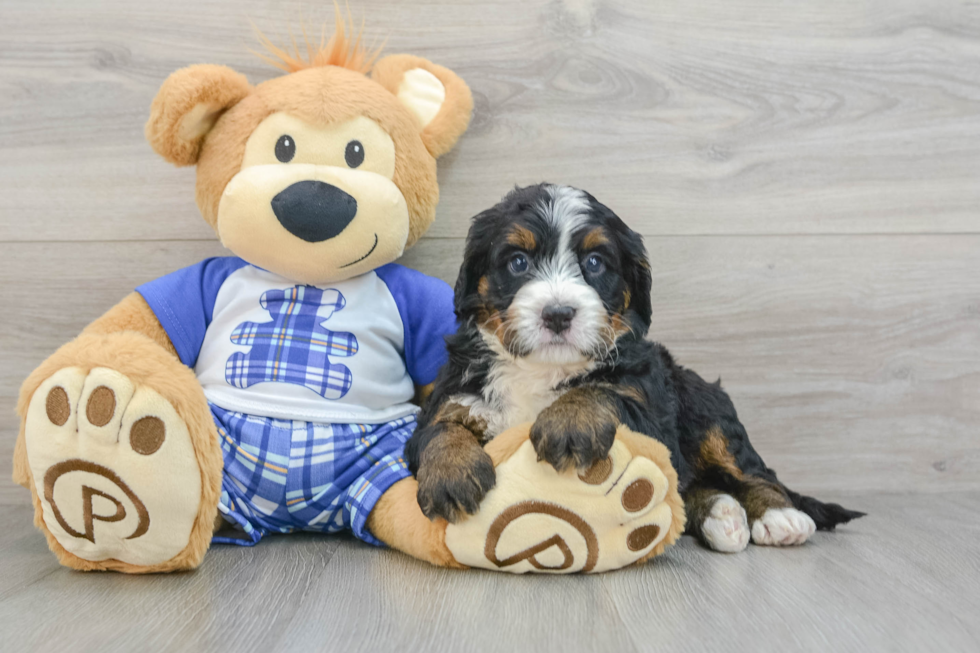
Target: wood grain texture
{"x": 806, "y": 176}
{"x": 711, "y": 117}
{"x": 902, "y": 579}
{"x": 854, "y": 361}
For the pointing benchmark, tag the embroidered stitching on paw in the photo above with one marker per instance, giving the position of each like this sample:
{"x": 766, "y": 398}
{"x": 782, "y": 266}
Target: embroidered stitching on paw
{"x": 114, "y": 467}
{"x": 539, "y": 520}
{"x": 294, "y": 346}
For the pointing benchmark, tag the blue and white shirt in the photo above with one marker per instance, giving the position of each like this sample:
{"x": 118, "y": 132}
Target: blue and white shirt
{"x": 348, "y": 352}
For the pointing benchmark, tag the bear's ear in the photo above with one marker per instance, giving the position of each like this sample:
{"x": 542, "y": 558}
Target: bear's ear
{"x": 187, "y": 106}
{"x": 436, "y": 96}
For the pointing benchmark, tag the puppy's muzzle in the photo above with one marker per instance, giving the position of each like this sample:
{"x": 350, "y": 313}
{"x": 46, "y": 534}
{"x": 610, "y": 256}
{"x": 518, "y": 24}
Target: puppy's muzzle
{"x": 557, "y": 318}
{"x": 313, "y": 210}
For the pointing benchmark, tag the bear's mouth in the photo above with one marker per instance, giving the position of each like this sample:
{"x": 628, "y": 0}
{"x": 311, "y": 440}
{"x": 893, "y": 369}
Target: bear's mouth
{"x": 370, "y": 251}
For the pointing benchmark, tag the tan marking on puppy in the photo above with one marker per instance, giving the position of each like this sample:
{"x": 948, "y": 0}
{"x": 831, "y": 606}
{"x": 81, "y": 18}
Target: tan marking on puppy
{"x": 522, "y": 237}
{"x": 453, "y": 448}
{"x": 422, "y": 393}
{"x": 756, "y": 494}
{"x": 630, "y": 392}
{"x": 618, "y": 327}
{"x": 759, "y": 495}
{"x": 497, "y": 323}
{"x": 483, "y": 287}
{"x": 588, "y": 403}
{"x": 715, "y": 453}
{"x": 595, "y": 238}
{"x": 626, "y": 299}
{"x": 453, "y": 461}
{"x": 454, "y": 413}
{"x": 489, "y": 318}
{"x": 585, "y": 412}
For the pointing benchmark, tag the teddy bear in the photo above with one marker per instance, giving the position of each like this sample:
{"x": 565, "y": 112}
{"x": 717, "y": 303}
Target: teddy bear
{"x": 273, "y": 390}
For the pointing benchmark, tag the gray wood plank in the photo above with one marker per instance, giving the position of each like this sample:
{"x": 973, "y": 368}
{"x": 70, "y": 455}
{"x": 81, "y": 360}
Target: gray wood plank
{"x": 687, "y": 118}
{"x": 239, "y": 594}
{"x": 889, "y": 582}
{"x": 769, "y": 152}
{"x": 853, "y": 361}
{"x": 26, "y": 556}
{"x": 901, "y": 579}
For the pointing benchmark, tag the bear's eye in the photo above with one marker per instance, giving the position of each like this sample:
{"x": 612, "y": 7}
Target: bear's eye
{"x": 354, "y": 154}
{"x": 285, "y": 148}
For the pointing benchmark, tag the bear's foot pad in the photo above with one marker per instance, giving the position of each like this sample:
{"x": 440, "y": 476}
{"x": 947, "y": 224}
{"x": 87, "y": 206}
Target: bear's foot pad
{"x": 539, "y": 520}
{"x": 113, "y": 466}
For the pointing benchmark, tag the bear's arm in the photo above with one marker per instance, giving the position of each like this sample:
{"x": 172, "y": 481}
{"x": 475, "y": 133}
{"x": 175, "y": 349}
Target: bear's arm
{"x": 132, "y": 314}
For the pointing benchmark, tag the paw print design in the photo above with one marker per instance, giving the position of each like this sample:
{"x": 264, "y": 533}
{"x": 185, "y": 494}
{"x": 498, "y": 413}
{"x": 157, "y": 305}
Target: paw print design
{"x": 543, "y": 521}
{"x": 114, "y": 468}
{"x": 294, "y": 347}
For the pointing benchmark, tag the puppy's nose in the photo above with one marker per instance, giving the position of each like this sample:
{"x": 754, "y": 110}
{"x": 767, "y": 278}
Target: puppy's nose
{"x": 313, "y": 210}
{"x": 557, "y": 318}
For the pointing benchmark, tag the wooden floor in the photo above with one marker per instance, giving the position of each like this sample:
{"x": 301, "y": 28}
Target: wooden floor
{"x": 807, "y": 179}
{"x": 902, "y": 579}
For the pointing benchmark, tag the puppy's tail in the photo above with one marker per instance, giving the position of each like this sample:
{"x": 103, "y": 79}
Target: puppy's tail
{"x": 825, "y": 515}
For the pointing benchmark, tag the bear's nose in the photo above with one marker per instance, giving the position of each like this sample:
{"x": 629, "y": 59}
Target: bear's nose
{"x": 313, "y": 210}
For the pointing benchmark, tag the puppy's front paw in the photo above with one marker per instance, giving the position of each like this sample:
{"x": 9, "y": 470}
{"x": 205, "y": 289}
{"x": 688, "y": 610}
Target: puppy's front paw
{"x": 453, "y": 478}
{"x": 570, "y": 434}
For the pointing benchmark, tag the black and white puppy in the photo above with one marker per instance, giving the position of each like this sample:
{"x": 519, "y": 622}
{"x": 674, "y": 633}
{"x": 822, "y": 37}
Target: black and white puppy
{"x": 553, "y": 306}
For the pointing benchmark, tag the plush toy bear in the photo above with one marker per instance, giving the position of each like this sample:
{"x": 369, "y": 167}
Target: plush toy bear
{"x": 274, "y": 390}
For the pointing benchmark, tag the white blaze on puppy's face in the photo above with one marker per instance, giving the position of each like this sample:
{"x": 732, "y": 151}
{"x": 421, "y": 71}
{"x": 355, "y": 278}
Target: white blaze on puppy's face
{"x": 556, "y": 281}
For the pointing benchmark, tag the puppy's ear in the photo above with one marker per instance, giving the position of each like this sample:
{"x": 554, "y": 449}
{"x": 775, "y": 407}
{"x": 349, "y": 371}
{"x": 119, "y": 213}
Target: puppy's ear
{"x": 636, "y": 271}
{"x": 440, "y": 101}
{"x": 462, "y": 288}
{"x": 186, "y": 107}
{"x": 476, "y": 264}
{"x": 636, "y": 267}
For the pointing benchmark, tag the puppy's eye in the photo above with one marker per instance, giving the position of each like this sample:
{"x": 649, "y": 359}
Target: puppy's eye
{"x": 517, "y": 264}
{"x": 354, "y": 154}
{"x": 285, "y": 148}
{"x": 594, "y": 264}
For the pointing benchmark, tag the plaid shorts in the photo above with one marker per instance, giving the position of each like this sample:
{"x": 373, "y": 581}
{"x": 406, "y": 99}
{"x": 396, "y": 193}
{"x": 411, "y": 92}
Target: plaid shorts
{"x": 282, "y": 476}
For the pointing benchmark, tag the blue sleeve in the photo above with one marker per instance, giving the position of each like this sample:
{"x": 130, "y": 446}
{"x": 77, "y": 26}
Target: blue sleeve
{"x": 183, "y": 302}
{"x": 426, "y": 308}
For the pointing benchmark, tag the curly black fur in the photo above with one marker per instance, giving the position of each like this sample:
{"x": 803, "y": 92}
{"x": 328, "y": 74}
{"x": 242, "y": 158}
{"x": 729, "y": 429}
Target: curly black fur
{"x": 638, "y": 380}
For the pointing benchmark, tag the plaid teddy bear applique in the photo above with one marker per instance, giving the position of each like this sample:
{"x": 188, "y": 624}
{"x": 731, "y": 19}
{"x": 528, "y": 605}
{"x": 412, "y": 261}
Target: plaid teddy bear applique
{"x": 294, "y": 346}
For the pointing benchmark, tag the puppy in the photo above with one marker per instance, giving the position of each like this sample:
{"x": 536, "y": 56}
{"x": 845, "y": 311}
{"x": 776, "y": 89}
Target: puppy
{"x": 553, "y": 306}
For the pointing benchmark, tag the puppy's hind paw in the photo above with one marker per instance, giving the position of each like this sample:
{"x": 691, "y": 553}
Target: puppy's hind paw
{"x": 726, "y": 528}
{"x": 782, "y": 527}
